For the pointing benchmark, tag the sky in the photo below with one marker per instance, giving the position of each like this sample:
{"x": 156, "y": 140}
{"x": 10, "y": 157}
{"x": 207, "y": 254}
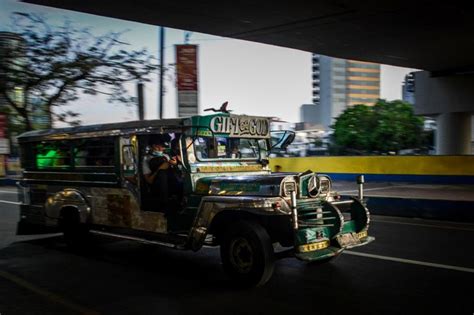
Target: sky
{"x": 256, "y": 79}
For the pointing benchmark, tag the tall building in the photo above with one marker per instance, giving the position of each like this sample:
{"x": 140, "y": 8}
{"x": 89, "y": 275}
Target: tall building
{"x": 11, "y": 51}
{"x": 408, "y": 88}
{"x": 339, "y": 83}
{"x": 309, "y": 117}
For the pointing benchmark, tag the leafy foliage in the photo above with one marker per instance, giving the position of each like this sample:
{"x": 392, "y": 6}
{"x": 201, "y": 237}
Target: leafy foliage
{"x": 386, "y": 127}
{"x": 55, "y": 64}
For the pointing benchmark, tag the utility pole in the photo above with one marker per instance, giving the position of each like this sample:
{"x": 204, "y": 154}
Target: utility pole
{"x": 162, "y": 57}
{"x": 141, "y": 107}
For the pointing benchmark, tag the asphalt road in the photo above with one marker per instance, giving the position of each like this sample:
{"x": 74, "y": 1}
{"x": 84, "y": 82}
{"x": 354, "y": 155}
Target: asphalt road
{"x": 413, "y": 267}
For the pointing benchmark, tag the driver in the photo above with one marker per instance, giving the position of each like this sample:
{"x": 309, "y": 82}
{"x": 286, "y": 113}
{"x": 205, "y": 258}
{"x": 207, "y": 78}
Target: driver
{"x": 155, "y": 171}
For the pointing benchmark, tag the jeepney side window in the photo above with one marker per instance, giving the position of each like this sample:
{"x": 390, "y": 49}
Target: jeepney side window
{"x": 94, "y": 153}
{"x": 190, "y": 150}
{"x": 53, "y": 155}
{"x": 263, "y": 145}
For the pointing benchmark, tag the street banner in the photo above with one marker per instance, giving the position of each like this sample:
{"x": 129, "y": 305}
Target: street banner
{"x": 187, "y": 80}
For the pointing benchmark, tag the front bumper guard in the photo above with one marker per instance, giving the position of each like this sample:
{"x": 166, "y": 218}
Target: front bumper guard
{"x": 330, "y": 251}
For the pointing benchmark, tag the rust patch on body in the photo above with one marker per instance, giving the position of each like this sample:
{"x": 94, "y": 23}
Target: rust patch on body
{"x": 119, "y": 210}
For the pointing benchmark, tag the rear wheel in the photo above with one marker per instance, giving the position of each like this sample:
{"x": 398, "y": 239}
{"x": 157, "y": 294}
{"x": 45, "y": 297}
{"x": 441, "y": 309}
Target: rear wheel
{"x": 247, "y": 254}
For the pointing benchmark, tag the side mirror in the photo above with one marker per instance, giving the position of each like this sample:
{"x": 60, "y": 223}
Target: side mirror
{"x": 282, "y": 139}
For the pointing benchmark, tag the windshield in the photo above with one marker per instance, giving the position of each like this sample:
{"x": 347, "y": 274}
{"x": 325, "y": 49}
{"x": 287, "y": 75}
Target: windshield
{"x": 211, "y": 148}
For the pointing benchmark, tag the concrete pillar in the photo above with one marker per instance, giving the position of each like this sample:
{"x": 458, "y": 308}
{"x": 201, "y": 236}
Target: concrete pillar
{"x": 453, "y": 134}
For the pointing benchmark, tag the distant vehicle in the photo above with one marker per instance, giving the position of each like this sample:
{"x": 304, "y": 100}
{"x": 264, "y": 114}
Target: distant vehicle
{"x": 89, "y": 179}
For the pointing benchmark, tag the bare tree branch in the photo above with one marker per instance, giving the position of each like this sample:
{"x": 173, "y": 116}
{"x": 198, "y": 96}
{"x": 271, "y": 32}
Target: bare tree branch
{"x": 57, "y": 63}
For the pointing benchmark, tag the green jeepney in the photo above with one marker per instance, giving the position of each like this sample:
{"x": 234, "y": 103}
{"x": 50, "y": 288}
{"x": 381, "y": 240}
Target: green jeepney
{"x": 89, "y": 180}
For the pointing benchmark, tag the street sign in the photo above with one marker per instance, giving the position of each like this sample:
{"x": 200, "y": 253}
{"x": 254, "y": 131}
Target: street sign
{"x": 187, "y": 80}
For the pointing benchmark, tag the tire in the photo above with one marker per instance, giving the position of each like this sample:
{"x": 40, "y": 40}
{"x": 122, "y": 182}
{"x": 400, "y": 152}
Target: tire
{"x": 75, "y": 234}
{"x": 247, "y": 254}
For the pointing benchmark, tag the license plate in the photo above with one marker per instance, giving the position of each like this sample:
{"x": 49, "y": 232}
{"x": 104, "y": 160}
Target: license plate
{"x": 347, "y": 239}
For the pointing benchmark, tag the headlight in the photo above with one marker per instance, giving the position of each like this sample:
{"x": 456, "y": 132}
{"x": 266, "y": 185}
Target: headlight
{"x": 319, "y": 185}
{"x": 313, "y": 186}
{"x": 325, "y": 184}
{"x": 288, "y": 187}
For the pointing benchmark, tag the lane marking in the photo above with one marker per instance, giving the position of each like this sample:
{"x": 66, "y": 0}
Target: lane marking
{"x": 45, "y": 293}
{"x": 409, "y": 261}
{"x": 426, "y": 225}
{"x": 11, "y": 202}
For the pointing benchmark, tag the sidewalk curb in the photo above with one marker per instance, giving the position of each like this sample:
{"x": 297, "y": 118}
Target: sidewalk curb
{"x": 449, "y": 210}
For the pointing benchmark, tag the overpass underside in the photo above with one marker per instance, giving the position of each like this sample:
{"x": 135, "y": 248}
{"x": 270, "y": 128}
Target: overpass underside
{"x": 430, "y": 35}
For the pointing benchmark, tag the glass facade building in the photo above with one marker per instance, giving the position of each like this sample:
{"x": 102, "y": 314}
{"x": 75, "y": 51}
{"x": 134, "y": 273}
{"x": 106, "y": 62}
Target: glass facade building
{"x": 339, "y": 83}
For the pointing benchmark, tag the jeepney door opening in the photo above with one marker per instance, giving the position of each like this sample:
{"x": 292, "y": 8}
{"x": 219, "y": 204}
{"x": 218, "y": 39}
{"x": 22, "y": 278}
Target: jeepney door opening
{"x": 165, "y": 194}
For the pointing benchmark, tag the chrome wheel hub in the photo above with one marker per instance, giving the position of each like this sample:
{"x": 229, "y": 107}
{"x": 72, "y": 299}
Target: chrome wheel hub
{"x": 241, "y": 255}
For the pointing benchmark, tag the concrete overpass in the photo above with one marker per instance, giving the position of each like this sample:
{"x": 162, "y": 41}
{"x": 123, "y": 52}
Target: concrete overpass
{"x": 429, "y": 35}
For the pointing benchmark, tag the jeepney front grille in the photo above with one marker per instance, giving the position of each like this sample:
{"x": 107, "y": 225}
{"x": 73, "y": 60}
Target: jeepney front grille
{"x": 311, "y": 214}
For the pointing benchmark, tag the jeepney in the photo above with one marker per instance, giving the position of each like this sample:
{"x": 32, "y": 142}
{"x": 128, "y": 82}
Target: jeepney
{"x": 89, "y": 179}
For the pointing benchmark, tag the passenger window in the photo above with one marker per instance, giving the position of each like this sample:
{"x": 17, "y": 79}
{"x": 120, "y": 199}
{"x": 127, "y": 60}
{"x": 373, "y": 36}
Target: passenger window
{"x": 94, "y": 153}
{"x": 53, "y": 155}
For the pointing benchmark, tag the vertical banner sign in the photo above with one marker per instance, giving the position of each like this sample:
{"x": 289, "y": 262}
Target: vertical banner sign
{"x": 187, "y": 80}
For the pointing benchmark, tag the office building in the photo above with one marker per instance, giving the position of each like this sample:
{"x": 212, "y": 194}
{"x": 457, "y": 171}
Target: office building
{"x": 339, "y": 83}
{"x": 408, "y": 88}
{"x": 309, "y": 117}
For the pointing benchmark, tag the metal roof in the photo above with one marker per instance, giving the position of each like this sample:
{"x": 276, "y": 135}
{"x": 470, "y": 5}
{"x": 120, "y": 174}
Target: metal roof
{"x": 140, "y": 126}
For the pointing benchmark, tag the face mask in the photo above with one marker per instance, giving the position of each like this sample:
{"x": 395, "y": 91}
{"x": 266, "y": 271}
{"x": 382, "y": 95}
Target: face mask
{"x": 157, "y": 153}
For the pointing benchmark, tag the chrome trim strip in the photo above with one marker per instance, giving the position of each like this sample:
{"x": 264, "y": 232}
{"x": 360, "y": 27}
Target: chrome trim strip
{"x": 294, "y": 210}
{"x": 343, "y": 202}
{"x": 133, "y": 238}
{"x": 70, "y": 181}
{"x": 69, "y": 173}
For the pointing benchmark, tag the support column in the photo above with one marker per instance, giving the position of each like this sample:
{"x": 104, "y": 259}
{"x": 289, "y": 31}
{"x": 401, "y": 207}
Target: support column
{"x": 453, "y": 135}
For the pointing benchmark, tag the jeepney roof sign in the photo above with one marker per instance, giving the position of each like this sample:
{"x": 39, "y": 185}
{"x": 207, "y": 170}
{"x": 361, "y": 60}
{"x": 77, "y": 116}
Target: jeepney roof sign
{"x": 233, "y": 126}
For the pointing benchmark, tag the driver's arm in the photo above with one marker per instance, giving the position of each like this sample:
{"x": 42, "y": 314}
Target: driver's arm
{"x": 150, "y": 177}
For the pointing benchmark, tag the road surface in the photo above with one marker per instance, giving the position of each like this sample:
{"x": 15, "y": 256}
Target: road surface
{"x": 414, "y": 267}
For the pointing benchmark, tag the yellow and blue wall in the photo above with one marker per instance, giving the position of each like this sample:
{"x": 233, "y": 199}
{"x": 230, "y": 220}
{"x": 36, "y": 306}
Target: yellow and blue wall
{"x": 457, "y": 169}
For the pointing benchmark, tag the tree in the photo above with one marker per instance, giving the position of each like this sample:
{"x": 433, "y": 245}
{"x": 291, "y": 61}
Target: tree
{"x": 56, "y": 63}
{"x": 383, "y": 128}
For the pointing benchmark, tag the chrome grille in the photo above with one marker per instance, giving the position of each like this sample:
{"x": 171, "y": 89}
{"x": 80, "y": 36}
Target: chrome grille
{"x": 311, "y": 214}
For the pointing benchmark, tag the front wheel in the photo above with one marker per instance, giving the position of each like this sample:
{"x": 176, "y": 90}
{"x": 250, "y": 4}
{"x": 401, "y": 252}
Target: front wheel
{"x": 247, "y": 254}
